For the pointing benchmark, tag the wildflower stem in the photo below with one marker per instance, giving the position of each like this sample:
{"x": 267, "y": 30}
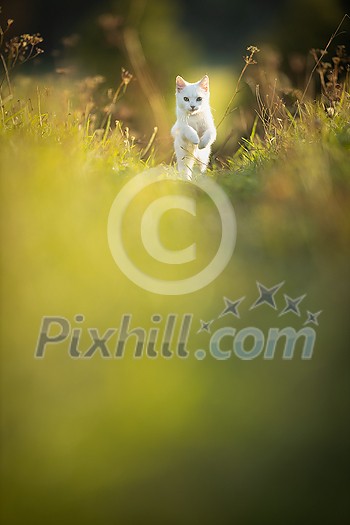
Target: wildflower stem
{"x": 150, "y": 142}
{"x": 324, "y": 52}
{"x": 248, "y": 61}
{"x": 6, "y": 73}
{"x": 228, "y": 107}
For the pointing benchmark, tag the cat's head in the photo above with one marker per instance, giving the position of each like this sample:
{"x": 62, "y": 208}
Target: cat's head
{"x": 192, "y": 98}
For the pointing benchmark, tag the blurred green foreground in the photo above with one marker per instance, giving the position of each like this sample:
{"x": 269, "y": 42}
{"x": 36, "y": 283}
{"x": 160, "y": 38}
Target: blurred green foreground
{"x": 129, "y": 441}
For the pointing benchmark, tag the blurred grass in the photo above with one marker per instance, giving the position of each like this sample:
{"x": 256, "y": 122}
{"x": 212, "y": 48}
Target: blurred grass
{"x": 156, "y": 441}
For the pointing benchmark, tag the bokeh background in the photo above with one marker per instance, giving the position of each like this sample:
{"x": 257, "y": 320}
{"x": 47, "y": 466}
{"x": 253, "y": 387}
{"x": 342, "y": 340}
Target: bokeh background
{"x": 170, "y": 441}
{"x": 156, "y": 40}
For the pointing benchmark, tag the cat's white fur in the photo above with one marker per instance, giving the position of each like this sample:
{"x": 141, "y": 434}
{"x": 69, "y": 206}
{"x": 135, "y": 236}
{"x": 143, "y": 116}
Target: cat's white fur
{"x": 194, "y": 130}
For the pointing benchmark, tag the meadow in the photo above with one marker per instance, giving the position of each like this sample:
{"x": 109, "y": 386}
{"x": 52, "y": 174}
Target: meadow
{"x": 169, "y": 440}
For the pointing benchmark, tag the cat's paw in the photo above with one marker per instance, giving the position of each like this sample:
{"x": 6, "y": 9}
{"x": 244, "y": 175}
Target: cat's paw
{"x": 203, "y": 143}
{"x": 191, "y": 136}
{"x": 194, "y": 138}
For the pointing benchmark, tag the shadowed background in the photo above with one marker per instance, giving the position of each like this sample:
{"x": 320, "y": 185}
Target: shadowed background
{"x": 156, "y": 40}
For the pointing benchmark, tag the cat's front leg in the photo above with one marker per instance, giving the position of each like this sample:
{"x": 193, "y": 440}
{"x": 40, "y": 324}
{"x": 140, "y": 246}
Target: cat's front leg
{"x": 191, "y": 135}
{"x": 184, "y": 157}
{"x": 185, "y": 167}
{"x": 202, "y": 156}
{"x": 207, "y": 138}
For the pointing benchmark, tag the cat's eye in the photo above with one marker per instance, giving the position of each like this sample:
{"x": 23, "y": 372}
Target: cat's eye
{"x": 199, "y": 99}
{"x": 186, "y": 99}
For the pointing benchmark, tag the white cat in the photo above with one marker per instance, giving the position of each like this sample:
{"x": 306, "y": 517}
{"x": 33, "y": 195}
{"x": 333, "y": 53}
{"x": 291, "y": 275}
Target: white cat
{"x": 194, "y": 130}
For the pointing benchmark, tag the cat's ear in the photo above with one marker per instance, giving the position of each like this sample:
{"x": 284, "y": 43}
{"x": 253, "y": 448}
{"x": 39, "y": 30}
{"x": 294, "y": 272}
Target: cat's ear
{"x": 204, "y": 83}
{"x": 180, "y": 83}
